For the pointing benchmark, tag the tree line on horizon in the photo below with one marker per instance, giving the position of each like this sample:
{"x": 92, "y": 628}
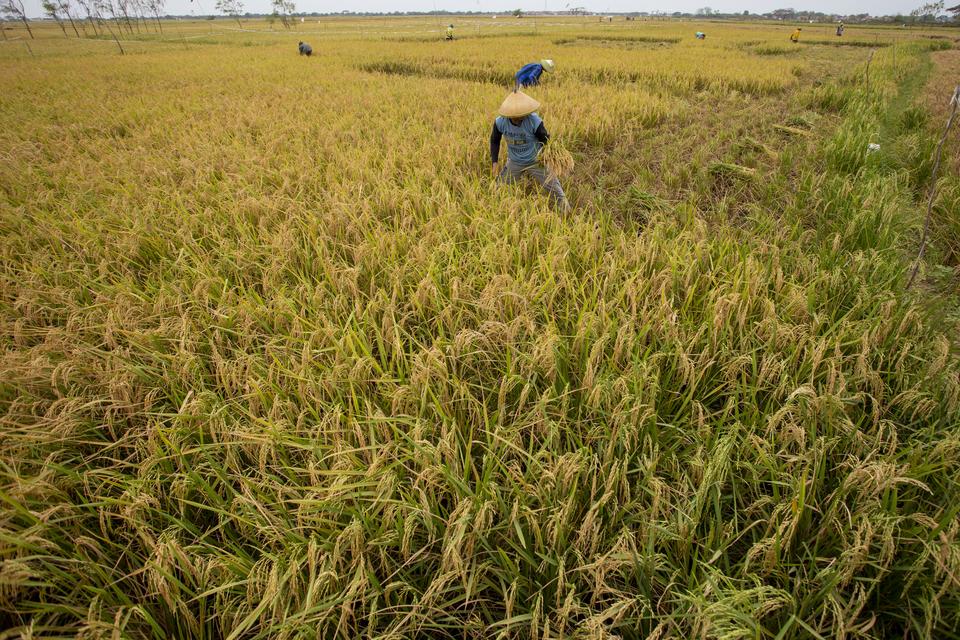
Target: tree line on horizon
{"x": 136, "y": 15}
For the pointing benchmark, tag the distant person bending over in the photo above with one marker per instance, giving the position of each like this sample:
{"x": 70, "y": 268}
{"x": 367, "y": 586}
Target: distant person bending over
{"x": 525, "y": 134}
{"x": 529, "y": 74}
{"x": 795, "y": 36}
{"x": 450, "y": 32}
{"x": 700, "y": 35}
{"x": 305, "y": 49}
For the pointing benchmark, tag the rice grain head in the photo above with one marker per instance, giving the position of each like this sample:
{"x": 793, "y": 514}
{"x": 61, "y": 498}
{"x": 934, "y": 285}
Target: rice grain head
{"x": 556, "y": 158}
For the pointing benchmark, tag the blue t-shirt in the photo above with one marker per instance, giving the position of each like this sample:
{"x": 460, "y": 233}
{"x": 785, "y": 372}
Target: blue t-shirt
{"x": 522, "y": 143}
{"x": 529, "y": 74}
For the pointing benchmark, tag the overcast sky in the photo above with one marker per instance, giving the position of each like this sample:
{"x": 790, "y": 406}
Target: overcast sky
{"x": 874, "y": 7}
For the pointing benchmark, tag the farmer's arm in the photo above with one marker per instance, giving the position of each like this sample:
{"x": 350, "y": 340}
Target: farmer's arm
{"x": 541, "y": 134}
{"x": 495, "y": 137}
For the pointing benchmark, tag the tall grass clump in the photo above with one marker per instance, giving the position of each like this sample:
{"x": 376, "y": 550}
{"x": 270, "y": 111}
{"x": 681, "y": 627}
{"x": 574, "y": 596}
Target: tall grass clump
{"x": 772, "y": 50}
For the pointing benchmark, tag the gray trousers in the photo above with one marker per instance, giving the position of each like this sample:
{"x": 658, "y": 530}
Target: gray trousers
{"x": 512, "y": 172}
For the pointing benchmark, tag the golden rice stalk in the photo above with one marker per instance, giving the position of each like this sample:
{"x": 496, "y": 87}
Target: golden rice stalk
{"x": 556, "y": 158}
{"x": 730, "y": 170}
{"x": 761, "y": 147}
{"x": 791, "y": 131}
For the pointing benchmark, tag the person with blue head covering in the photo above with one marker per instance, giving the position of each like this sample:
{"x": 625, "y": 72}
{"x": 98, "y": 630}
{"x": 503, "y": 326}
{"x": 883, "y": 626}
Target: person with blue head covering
{"x": 529, "y": 74}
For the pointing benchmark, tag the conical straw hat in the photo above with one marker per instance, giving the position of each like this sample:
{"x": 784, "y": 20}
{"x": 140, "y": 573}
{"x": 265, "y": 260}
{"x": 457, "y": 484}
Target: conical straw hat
{"x": 517, "y": 105}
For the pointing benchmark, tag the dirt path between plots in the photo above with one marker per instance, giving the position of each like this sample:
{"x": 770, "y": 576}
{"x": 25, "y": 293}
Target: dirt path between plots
{"x": 936, "y": 98}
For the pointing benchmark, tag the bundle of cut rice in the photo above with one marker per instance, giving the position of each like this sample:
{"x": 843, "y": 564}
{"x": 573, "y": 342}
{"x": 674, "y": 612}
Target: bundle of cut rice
{"x": 556, "y": 158}
{"x": 730, "y": 170}
{"x": 791, "y": 131}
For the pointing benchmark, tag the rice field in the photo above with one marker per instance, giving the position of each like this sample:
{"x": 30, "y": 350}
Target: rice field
{"x": 280, "y": 360}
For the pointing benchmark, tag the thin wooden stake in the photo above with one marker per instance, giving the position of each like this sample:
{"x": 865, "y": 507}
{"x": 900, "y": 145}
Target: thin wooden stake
{"x": 954, "y": 101}
{"x": 867, "y": 73}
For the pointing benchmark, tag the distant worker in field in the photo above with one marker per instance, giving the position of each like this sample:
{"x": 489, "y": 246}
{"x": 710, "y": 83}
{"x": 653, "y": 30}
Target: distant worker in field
{"x": 305, "y": 49}
{"x": 529, "y": 74}
{"x": 450, "y": 32}
{"x": 525, "y": 134}
{"x": 839, "y": 29}
{"x": 795, "y": 36}
{"x": 700, "y": 35}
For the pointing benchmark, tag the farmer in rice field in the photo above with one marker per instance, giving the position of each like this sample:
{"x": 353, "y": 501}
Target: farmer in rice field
{"x": 795, "y": 36}
{"x": 529, "y": 74}
{"x": 840, "y": 29}
{"x": 449, "y": 32}
{"x": 305, "y": 49}
{"x": 525, "y": 134}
